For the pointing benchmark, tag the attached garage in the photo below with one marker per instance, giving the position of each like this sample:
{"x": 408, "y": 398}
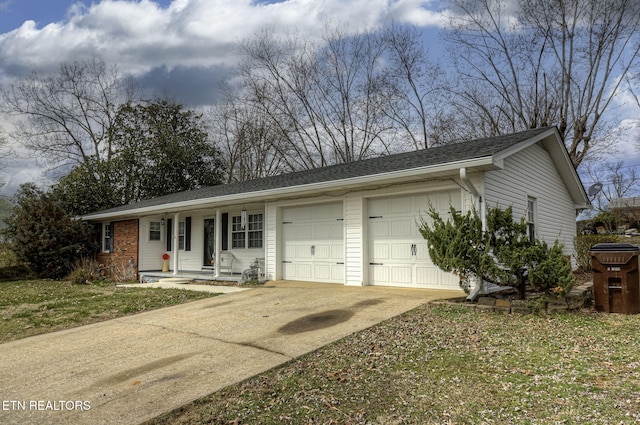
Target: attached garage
{"x": 398, "y": 254}
{"x": 313, "y": 243}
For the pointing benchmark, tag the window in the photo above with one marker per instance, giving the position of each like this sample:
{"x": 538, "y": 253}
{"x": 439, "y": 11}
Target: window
{"x": 531, "y": 219}
{"x": 181, "y": 234}
{"x": 107, "y": 237}
{"x": 255, "y": 230}
{"x": 238, "y": 234}
{"x": 154, "y": 231}
{"x": 249, "y": 237}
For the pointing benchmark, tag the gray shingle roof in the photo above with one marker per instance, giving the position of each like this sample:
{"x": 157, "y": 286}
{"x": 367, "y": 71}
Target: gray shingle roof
{"x": 474, "y": 149}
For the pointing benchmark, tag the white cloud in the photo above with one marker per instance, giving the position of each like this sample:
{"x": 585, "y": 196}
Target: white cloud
{"x": 140, "y": 36}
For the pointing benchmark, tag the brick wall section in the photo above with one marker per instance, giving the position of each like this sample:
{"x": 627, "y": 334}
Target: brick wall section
{"x": 125, "y": 246}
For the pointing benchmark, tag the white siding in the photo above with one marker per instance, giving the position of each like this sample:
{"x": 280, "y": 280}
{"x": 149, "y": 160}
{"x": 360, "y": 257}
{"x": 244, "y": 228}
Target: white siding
{"x": 531, "y": 173}
{"x": 150, "y": 252}
{"x": 272, "y": 230}
{"x": 354, "y": 241}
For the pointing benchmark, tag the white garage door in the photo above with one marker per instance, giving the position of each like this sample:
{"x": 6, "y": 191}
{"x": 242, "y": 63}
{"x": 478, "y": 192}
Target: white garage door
{"x": 398, "y": 254}
{"x": 313, "y": 243}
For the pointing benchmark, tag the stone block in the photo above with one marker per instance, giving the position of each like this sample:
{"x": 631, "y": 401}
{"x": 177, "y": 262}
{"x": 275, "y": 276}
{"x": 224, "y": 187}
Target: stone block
{"x": 486, "y": 301}
{"x": 482, "y": 307}
{"x": 557, "y": 307}
{"x": 503, "y": 303}
{"x": 520, "y": 309}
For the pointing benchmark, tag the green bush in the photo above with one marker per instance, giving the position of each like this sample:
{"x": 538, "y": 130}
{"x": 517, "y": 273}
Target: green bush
{"x": 583, "y": 244}
{"x": 553, "y": 272}
{"x": 17, "y": 272}
{"x": 43, "y": 235}
{"x": 500, "y": 254}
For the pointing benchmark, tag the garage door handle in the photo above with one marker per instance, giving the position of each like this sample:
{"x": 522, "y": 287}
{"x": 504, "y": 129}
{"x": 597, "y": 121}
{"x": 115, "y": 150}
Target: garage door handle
{"x": 286, "y": 262}
{"x": 375, "y": 264}
{"x": 339, "y": 263}
{"x": 414, "y": 249}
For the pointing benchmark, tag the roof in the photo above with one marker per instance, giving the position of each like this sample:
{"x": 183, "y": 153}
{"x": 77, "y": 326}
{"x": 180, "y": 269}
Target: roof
{"x": 384, "y": 165}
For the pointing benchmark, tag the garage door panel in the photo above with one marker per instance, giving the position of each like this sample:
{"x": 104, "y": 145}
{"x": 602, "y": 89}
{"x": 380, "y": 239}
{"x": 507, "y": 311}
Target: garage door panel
{"x": 303, "y": 252}
{"x": 401, "y": 206}
{"x": 322, "y": 271}
{"x": 422, "y": 252}
{"x": 401, "y": 228}
{"x": 379, "y": 252}
{"x": 323, "y": 252}
{"x": 398, "y": 253}
{"x": 313, "y": 243}
{"x": 401, "y": 251}
{"x": 402, "y": 275}
{"x": 380, "y": 273}
{"x": 378, "y": 229}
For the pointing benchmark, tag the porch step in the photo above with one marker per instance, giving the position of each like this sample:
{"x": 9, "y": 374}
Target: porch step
{"x": 174, "y": 280}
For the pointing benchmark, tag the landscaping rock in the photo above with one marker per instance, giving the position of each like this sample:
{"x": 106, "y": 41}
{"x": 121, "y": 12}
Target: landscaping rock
{"x": 503, "y": 306}
{"x": 486, "y": 301}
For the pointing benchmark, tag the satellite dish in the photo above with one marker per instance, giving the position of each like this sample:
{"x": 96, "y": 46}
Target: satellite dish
{"x": 594, "y": 189}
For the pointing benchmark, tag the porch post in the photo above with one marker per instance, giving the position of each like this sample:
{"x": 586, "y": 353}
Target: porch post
{"x": 218, "y": 240}
{"x": 176, "y": 240}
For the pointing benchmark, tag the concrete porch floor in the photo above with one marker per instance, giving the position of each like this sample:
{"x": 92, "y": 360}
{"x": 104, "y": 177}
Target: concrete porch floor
{"x": 197, "y": 275}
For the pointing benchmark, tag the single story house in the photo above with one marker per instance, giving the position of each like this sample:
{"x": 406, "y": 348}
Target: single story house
{"x": 354, "y": 223}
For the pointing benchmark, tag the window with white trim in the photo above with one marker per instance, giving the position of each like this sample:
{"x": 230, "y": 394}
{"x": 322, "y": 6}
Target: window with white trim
{"x": 531, "y": 218}
{"x": 107, "y": 237}
{"x": 181, "y": 235}
{"x": 238, "y": 234}
{"x": 251, "y": 236}
{"x": 155, "y": 231}
{"x": 255, "y": 227}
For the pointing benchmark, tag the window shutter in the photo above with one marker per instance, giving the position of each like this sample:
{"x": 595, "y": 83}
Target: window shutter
{"x": 225, "y": 231}
{"x": 169, "y": 234}
{"x": 187, "y": 234}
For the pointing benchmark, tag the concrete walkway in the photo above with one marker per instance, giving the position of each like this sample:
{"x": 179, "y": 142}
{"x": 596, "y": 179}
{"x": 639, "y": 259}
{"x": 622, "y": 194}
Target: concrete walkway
{"x": 128, "y": 370}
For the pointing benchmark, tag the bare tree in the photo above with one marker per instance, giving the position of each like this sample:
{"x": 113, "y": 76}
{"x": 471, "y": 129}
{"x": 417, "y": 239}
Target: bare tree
{"x": 544, "y": 62}
{"x": 618, "y": 181}
{"x": 340, "y": 99}
{"x": 249, "y": 145}
{"x": 66, "y": 116}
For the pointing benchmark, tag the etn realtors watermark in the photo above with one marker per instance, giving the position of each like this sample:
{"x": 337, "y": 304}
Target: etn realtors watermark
{"x": 46, "y": 405}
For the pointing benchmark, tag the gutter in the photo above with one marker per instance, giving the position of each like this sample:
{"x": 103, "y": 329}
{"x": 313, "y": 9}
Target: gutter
{"x": 290, "y": 191}
{"x": 480, "y": 286}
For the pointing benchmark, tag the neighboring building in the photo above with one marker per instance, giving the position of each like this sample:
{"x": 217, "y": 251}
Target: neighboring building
{"x": 355, "y": 223}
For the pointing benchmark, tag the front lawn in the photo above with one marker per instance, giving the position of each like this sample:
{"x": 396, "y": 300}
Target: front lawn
{"x": 31, "y": 307}
{"x": 445, "y": 364}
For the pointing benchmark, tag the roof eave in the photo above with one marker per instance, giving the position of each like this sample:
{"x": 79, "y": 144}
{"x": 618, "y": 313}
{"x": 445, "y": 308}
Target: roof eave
{"x": 483, "y": 163}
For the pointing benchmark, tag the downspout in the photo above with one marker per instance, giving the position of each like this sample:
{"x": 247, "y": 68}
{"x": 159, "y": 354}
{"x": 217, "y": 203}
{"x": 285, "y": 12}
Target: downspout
{"x": 479, "y": 287}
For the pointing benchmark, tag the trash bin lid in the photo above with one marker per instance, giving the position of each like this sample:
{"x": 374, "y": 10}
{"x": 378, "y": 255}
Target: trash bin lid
{"x": 609, "y": 247}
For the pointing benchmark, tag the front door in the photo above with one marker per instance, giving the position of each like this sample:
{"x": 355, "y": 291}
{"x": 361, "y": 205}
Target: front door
{"x": 209, "y": 241}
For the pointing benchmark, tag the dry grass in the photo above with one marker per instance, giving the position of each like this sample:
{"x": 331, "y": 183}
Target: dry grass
{"x": 31, "y": 307}
{"x": 444, "y": 364}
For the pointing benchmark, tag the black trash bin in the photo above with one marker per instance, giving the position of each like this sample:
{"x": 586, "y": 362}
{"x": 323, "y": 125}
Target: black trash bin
{"x": 616, "y": 283}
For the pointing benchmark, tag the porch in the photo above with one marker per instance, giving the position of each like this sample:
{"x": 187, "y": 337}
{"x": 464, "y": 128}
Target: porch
{"x": 198, "y": 276}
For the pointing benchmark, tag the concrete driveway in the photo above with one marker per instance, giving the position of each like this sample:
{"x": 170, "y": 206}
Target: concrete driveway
{"x": 129, "y": 370}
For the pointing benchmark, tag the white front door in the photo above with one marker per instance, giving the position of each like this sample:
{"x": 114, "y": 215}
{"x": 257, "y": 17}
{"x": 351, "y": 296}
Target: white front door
{"x": 398, "y": 254}
{"x": 313, "y": 243}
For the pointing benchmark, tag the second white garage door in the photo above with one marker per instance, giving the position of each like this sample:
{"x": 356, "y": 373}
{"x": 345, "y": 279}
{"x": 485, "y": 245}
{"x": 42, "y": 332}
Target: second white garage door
{"x": 313, "y": 243}
{"x": 398, "y": 254}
